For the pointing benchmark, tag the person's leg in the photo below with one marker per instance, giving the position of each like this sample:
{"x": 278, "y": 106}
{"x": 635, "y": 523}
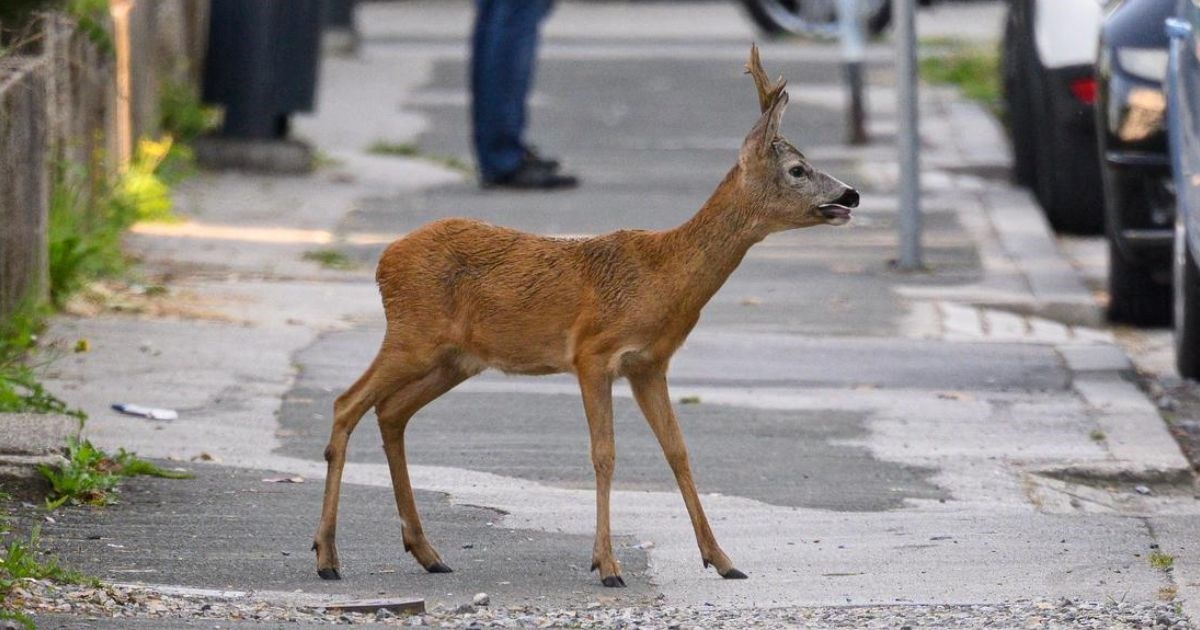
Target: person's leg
{"x": 504, "y": 45}
{"x": 525, "y": 46}
{"x": 485, "y": 87}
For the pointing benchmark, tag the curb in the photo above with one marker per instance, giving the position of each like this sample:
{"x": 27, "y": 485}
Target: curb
{"x": 1026, "y": 237}
{"x": 979, "y": 144}
{"x": 30, "y": 439}
{"x": 1137, "y": 437}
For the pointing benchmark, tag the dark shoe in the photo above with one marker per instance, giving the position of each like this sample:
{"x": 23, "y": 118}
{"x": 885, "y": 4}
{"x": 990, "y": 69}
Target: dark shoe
{"x": 531, "y": 176}
{"x": 532, "y": 156}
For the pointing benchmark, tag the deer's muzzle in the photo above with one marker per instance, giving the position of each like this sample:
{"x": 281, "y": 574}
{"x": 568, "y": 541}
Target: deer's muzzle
{"x": 838, "y": 210}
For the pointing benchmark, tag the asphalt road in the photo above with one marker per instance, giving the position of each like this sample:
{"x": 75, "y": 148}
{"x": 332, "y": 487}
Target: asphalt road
{"x": 229, "y": 529}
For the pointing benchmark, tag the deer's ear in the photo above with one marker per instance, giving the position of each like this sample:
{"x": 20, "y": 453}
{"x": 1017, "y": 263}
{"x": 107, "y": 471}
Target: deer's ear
{"x": 764, "y": 132}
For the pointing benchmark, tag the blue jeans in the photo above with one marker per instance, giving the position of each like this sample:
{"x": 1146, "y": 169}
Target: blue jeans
{"x": 503, "y": 49}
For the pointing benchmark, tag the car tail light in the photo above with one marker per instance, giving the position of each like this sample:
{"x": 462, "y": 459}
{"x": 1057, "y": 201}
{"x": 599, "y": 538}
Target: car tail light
{"x": 1084, "y": 90}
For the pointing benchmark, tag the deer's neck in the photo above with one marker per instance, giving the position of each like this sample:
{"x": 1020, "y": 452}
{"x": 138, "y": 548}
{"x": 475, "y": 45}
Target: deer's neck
{"x": 710, "y": 245}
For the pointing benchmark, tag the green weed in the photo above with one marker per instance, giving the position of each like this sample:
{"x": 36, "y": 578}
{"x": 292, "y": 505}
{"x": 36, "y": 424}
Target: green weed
{"x": 404, "y": 149}
{"x": 89, "y": 476}
{"x": 1161, "y": 561}
{"x": 329, "y": 259}
{"x": 1098, "y": 436}
{"x": 130, "y": 465}
{"x": 975, "y": 69}
{"x": 91, "y": 16}
{"x": 80, "y": 479}
{"x": 408, "y": 149}
{"x": 84, "y": 237}
{"x": 20, "y": 331}
{"x": 452, "y": 163}
{"x": 142, "y": 193}
{"x": 21, "y": 562}
{"x": 183, "y": 118}
{"x": 182, "y": 115}
{"x": 20, "y": 391}
{"x": 85, "y": 230}
{"x": 12, "y": 615}
{"x": 322, "y": 159}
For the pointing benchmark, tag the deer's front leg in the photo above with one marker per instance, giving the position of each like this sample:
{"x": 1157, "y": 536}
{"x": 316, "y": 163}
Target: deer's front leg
{"x": 596, "y": 387}
{"x": 650, "y": 390}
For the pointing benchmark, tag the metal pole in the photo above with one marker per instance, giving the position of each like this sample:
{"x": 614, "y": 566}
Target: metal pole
{"x": 908, "y": 137}
{"x": 850, "y": 32}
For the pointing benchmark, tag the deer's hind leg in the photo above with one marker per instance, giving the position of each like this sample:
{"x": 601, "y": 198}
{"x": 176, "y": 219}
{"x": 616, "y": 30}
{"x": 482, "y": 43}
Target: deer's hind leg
{"x": 394, "y": 413}
{"x": 389, "y": 371}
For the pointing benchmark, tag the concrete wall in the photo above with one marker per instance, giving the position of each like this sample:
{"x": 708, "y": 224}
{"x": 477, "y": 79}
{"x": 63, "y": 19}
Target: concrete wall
{"x": 58, "y": 109}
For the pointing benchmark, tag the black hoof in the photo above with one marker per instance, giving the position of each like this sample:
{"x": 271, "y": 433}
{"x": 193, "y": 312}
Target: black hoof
{"x": 438, "y": 567}
{"x": 613, "y": 581}
{"x": 733, "y": 574}
{"x": 329, "y": 574}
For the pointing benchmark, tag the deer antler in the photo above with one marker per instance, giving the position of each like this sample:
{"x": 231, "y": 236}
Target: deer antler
{"x": 768, "y": 91}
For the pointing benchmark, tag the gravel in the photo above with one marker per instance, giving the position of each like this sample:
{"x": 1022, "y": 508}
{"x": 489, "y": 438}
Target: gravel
{"x": 36, "y": 597}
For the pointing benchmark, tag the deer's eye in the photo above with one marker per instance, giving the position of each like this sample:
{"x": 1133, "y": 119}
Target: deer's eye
{"x": 796, "y": 171}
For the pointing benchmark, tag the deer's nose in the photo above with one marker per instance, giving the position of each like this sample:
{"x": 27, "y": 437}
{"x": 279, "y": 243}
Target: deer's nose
{"x": 848, "y": 198}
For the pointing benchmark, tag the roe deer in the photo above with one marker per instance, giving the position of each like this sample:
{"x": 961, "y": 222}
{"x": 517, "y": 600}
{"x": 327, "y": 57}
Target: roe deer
{"x": 462, "y": 296}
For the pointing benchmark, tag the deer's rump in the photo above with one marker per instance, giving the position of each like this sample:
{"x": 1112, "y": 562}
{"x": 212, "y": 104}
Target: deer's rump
{"x": 501, "y": 297}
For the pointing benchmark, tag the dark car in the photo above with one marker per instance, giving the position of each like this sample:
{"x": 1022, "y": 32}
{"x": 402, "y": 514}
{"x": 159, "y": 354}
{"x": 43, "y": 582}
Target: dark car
{"x": 1184, "y": 106}
{"x": 1047, "y": 62}
{"x": 1139, "y": 199}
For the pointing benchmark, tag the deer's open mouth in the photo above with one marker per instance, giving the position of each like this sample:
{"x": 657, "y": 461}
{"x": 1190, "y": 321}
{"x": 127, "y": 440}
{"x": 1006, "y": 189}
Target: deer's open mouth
{"x": 834, "y": 211}
{"x": 837, "y": 211}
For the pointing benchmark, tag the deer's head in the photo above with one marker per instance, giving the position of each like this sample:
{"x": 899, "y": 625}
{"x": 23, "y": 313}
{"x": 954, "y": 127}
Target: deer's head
{"x": 788, "y": 191}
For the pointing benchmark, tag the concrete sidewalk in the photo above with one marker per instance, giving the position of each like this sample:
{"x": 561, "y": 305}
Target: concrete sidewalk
{"x": 958, "y": 442}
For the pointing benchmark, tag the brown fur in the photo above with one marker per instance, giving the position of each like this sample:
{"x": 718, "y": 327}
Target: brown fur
{"x": 461, "y": 296}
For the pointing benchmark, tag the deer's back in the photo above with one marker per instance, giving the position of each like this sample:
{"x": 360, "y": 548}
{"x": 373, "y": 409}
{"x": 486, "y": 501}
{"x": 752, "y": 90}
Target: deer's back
{"x": 516, "y": 301}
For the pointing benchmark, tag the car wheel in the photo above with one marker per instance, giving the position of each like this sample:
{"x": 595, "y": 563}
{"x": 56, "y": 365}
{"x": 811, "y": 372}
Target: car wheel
{"x": 762, "y": 18}
{"x": 1187, "y": 310}
{"x": 782, "y": 17}
{"x": 1134, "y": 296}
{"x": 1017, "y": 104}
{"x": 1067, "y": 181}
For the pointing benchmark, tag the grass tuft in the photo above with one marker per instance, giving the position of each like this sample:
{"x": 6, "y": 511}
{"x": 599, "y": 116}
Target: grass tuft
{"x": 973, "y": 68}
{"x": 20, "y": 559}
{"x": 1161, "y": 561}
{"x": 329, "y": 259}
{"x": 409, "y": 149}
{"x": 90, "y": 476}
{"x": 85, "y": 229}
{"x": 182, "y": 115}
{"x": 21, "y": 562}
{"x": 403, "y": 149}
{"x": 20, "y": 390}
{"x": 20, "y": 618}
{"x": 452, "y": 163}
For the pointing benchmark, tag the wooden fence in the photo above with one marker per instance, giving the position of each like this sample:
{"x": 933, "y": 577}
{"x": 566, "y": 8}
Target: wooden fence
{"x": 69, "y": 102}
